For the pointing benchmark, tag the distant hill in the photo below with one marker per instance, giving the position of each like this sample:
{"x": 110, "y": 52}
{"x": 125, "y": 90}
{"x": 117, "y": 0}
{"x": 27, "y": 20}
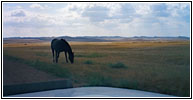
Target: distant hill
{"x": 159, "y": 38}
{"x": 92, "y": 39}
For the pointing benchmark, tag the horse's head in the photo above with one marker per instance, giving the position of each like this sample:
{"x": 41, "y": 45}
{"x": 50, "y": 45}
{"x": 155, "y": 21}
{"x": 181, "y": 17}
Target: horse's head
{"x": 71, "y": 57}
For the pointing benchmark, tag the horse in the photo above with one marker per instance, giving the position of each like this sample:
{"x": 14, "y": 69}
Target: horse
{"x": 61, "y": 46}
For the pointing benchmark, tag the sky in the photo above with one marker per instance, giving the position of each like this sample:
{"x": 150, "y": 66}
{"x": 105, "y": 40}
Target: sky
{"x": 125, "y": 19}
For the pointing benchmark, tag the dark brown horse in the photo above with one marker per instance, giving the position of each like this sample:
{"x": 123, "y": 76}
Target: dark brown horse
{"x": 61, "y": 45}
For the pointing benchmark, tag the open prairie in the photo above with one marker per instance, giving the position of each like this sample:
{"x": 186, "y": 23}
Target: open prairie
{"x": 157, "y": 66}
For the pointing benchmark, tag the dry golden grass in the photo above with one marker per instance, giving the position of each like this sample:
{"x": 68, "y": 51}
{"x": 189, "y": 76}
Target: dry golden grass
{"x": 159, "y": 66}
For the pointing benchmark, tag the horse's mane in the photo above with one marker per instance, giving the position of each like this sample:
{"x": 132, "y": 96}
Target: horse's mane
{"x": 67, "y": 44}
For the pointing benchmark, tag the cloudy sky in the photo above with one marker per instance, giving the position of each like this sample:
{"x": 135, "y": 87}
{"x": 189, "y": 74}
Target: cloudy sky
{"x": 96, "y": 19}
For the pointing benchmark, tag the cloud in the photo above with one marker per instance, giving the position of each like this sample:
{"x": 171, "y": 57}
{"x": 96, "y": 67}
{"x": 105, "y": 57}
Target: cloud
{"x": 17, "y": 16}
{"x": 124, "y": 19}
{"x": 178, "y": 9}
{"x": 96, "y": 14}
{"x": 18, "y": 7}
{"x": 93, "y": 11}
{"x": 142, "y": 9}
{"x": 37, "y": 6}
{"x": 18, "y": 13}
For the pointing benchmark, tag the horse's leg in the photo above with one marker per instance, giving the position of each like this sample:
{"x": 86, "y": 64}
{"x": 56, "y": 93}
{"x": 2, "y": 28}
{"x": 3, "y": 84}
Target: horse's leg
{"x": 66, "y": 56}
{"x": 58, "y": 54}
{"x": 53, "y": 54}
{"x": 56, "y": 57}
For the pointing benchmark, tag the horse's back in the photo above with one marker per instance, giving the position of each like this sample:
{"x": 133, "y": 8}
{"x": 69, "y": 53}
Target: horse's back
{"x": 59, "y": 45}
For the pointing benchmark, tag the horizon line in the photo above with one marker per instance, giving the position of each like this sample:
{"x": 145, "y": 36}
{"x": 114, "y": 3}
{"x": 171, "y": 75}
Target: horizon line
{"x": 91, "y": 36}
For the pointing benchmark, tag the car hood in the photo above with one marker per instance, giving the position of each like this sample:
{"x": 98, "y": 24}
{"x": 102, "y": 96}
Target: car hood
{"x": 92, "y": 92}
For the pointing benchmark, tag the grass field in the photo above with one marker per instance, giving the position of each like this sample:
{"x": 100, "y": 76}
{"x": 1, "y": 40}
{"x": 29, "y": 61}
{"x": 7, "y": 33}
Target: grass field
{"x": 162, "y": 67}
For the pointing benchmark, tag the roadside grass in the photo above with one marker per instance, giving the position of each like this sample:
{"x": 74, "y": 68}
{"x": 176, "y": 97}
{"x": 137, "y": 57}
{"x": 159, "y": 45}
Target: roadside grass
{"x": 97, "y": 79}
{"x": 129, "y": 84}
{"x": 162, "y": 67}
{"x": 53, "y": 69}
{"x": 117, "y": 65}
{"x": 89, "y": 62}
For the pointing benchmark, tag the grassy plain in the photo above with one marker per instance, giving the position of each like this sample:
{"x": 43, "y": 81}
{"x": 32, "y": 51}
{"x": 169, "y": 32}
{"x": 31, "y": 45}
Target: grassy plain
{"x": 162, "y": 67}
